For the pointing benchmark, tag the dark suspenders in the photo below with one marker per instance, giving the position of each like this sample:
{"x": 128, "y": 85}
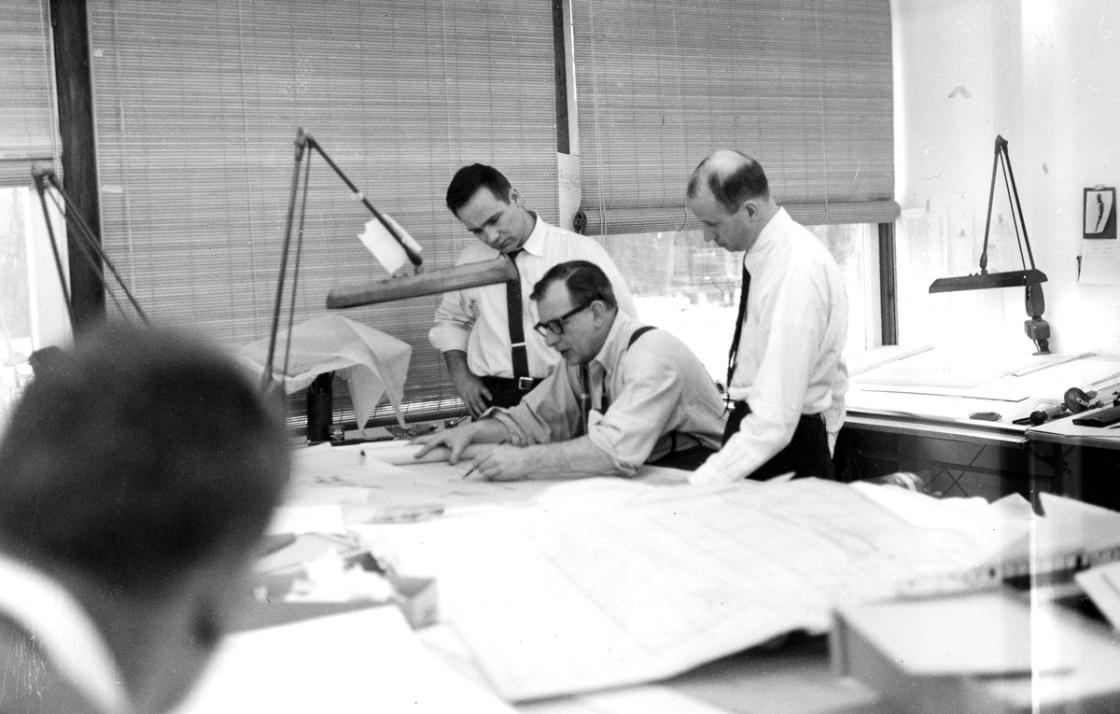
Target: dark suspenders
{"x": 585, "y": 386}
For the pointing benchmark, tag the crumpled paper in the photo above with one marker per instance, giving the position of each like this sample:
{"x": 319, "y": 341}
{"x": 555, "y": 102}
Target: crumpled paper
{"x": 372, "y": 363}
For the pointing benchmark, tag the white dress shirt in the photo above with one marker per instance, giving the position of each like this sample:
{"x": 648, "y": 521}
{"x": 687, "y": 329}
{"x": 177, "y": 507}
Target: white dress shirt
{"x": 64, "y": 632}
{"x": 656, "y": 387}
{"x": 475, "y": 320}
{"x": 789, "y": 360}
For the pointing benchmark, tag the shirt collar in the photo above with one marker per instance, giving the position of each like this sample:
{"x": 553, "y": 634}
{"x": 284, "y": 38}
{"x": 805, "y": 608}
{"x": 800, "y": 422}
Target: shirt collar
{"x": 617, "y": 339}
{"x": 767, "y": 239}
{"x": 65, "y": 633}
{"x": 534, "y": 244}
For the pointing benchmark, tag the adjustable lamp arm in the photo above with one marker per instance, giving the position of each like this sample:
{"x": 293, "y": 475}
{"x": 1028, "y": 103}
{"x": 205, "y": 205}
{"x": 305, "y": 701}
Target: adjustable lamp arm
{"x": 412, "y": 256}
{"x": 90, "y": 247}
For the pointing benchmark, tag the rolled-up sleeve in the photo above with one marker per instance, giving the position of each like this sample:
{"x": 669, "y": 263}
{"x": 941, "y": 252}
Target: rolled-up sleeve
{"x": 547, "y": 414}
{"x": 453, "y": 324}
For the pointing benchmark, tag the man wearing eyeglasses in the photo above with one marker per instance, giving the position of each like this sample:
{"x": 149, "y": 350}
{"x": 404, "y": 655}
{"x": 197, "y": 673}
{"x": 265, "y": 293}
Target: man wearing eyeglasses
{"x": 493, "y": 360}
{"x": 627, "y": 394}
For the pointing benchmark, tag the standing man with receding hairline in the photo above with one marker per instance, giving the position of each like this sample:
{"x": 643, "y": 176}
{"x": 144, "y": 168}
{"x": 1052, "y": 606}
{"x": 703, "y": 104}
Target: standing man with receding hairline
{"x": 786, "y": 375}
{"x": 493, "y": 361}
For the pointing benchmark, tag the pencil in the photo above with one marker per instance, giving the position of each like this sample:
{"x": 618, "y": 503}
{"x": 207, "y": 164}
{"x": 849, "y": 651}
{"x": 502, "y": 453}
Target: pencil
{"x": 471, "y": 470}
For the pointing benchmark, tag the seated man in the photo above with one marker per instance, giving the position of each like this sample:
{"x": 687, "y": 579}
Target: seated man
{"x": 627, "y": 394}
{"x": 137, "y": 476}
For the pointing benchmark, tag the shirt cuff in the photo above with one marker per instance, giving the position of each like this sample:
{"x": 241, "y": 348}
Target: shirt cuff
{"x": 446, "y": 339}
{"x": 517, "y": 436}
{"x": 708, "y": 474}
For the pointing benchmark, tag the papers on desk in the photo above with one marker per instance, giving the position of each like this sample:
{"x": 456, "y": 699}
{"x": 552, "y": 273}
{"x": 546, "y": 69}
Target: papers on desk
{"x": 363, "y": 661}
{"x": 377, "y": 486}
{"x": 631, "y": 583}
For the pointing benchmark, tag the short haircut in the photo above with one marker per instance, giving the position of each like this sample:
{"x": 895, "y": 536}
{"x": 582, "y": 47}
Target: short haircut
{"x": 139, "y": 454}
{"x": 731, "y": 188}
{"x": 585, "y": 282}
{"x": 469, "y": 179}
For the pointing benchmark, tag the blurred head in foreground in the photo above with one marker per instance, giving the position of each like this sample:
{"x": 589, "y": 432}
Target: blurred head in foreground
{"x": 137, "y": 475}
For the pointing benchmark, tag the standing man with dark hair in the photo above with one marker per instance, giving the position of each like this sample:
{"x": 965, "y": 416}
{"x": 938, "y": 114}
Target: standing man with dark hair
{"x": 627, "y": 394}
{"x": 786, "y": 375}
{"x": 137, "y": 477}
{"x": 495, "y": 361}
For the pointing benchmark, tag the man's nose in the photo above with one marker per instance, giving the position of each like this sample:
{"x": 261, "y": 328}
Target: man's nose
{"x": 551, "y": 338}
{"x": 490, "y": 235}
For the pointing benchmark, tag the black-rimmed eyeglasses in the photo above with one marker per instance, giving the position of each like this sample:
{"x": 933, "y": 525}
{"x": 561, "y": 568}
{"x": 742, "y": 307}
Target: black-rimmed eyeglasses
{"x": 556, "y": 326}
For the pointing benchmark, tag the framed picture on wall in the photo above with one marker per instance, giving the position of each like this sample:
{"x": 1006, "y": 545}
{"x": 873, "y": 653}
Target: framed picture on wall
{"x": 1100, "y": 212}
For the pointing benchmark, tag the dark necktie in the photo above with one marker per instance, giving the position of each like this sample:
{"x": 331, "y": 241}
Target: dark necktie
{"x": 584, "y": 398}
{"x": 518, "y": 355}
{"x": 734, "y": 351}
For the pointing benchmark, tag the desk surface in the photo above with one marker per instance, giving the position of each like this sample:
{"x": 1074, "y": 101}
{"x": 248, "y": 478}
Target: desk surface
{"x": 932, "y": 384}
{"x": 793, "y": 677}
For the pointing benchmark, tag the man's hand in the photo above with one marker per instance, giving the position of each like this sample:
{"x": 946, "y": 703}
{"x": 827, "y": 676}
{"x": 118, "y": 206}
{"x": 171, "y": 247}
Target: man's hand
{"x": 506, "y": 463}
{"x": 474, "y": 393}
{"x": 454, "y": 439}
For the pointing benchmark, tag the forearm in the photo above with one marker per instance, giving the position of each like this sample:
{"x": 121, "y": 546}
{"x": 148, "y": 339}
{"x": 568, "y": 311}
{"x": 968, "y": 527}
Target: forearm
{"x": 575, "y": 458}
{"x": 456, "y": 361}
{"x": 488, "y": 431}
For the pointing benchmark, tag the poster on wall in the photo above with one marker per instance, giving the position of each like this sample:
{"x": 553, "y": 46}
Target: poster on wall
{"x": 1099, "y": 261}
{"x": 1100, "y": 213}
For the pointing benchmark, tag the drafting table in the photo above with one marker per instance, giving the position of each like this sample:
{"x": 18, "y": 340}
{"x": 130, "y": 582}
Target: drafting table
{"x": 918, "y": 410}
{"x": 795, "y": 676}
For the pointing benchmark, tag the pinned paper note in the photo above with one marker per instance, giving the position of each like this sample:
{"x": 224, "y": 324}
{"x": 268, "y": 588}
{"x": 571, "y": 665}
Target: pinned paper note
{"x": 380, "y": 242}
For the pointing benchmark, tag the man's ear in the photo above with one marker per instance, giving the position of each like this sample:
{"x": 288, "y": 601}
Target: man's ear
{"x": 599, "y": 311}
{"x": 514, "y": 197}
{"x": 749, "y": 209}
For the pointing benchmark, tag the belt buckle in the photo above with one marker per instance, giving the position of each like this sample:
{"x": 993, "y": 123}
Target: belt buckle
{"x": 524, "y": 383}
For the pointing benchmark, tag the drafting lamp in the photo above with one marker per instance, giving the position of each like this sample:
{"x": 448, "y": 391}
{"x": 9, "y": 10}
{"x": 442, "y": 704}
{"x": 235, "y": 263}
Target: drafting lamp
{"x": 1030, "y": 278}
{"x": 305, "y": 141}
{"x": 88, "y": 245}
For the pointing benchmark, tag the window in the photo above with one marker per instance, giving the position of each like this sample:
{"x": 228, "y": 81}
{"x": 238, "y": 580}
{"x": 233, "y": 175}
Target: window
{"x": 32, "y": 311}
{"x": 691, "y": 288}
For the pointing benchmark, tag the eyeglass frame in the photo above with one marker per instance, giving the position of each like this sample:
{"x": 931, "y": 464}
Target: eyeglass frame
{"x": 544, "y": 329}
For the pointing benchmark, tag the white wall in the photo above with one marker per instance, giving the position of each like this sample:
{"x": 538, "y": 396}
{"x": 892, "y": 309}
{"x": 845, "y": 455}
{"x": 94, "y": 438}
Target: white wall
{"x": 1042, "y": 74}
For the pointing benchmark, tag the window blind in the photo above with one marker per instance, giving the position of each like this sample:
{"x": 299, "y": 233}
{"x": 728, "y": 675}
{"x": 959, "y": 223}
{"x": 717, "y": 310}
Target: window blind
{"x": 197, "y": 105}
{"x": 803, "y": 86}
{"x": 27, "y": 115}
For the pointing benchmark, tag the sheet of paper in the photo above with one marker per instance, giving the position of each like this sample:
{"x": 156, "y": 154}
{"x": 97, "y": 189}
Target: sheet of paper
{"x": 380, "y": 242}
{"x": 325, "y": 518}
{"x": 372, "y": 363}
{"x": 1099, "y": 262}
{"x": 362, "y": 661}
{"x": 366, "y": 486}
{"x": 612, "y": 583}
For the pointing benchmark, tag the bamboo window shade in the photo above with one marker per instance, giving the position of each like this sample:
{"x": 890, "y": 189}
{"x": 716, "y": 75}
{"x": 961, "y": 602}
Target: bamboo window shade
{"x": 28, "y": 134}
{"x": 803, "y": 86}
{"x": 197, "y": 105}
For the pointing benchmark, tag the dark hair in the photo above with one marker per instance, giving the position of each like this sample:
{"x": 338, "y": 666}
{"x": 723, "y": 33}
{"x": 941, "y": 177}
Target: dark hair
{"x": 747, "y": 180}
{"x": 585, "y": 282}
{"x": 139, "y": 454}
{"x": 469, "y": 179}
